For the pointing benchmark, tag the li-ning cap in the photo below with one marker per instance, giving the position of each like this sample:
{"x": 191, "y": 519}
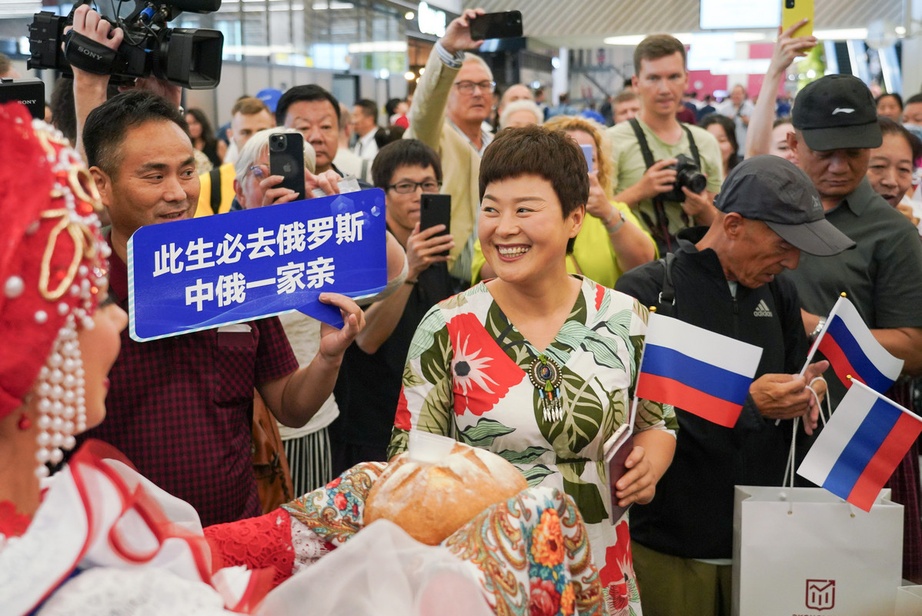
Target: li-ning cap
{"x": 836, "y": 112}
{"x": 771, "y": 189}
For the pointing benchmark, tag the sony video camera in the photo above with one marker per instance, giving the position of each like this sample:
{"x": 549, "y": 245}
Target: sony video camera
{"x": 187, "y": 57}
{"x": 687, "y": 174}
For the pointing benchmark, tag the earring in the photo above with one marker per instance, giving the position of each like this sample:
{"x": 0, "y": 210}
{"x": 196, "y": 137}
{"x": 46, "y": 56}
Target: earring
{"x": 61, "y": 403}
{"x": 24, "y": 423}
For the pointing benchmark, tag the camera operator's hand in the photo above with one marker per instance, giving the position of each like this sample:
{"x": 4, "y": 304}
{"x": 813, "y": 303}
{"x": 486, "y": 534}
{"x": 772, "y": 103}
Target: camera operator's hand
{"x": 457, "y": 35}
{"x": 699, "y": 206}
{"x": 90, "y": 88}
{"x": 91, "y": 24}
{"x": 656, "y": 180}
{"x": 160, "y": 87}
{"x": 425, "y": 247}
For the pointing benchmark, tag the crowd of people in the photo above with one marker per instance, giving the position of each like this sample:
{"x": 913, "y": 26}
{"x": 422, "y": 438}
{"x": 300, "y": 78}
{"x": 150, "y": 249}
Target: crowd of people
{"x": 518, "y": 327}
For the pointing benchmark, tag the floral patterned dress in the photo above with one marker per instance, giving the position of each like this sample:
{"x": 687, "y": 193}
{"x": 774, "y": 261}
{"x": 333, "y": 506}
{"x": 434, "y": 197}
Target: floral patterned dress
{"x": 466, "y": 377}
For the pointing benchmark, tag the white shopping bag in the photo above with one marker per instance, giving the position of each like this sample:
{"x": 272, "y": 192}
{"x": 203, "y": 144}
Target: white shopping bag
{"x": 908, "y": 601}
{"x": 805, "y": 551}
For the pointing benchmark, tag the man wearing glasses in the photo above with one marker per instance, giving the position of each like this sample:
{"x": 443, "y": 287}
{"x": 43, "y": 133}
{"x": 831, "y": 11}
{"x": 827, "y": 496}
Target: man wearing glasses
{"x": 453, "y": 99}
{"x": 370, "y": 377}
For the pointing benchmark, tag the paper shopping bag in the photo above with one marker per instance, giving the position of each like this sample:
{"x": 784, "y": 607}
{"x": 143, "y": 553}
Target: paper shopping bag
{"x": 805, "y": 551}
{"x": 908, "y": 601}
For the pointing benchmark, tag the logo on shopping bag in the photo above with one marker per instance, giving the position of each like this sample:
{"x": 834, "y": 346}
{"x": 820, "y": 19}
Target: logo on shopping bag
{"x": 821, "y": 594}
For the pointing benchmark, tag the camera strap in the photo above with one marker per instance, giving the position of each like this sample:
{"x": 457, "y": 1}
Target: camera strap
{"x": 660, "y": 229}
{"x": 645, "y": 147}
{"x": 88, "y": 55}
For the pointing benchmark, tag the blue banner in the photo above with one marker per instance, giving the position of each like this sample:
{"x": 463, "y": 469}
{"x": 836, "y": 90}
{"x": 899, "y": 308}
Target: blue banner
{"x": 196, "y": 274}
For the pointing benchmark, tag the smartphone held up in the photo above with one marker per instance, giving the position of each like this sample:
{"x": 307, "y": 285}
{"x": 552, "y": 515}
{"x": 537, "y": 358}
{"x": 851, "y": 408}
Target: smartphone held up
{"x": 435, "y": 209}
{"x": 507, "y": 24}
{"x": 286, "y": 158}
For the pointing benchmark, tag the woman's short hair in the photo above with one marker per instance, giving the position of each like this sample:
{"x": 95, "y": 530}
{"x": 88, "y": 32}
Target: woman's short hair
{"x": 729, "y": 127}
{"x": 892, "y": 127}
{"x": 536, "y": 150}
{"x": 520, "y": 105}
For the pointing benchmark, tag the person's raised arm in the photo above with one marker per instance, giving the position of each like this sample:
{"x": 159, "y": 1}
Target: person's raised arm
{"x": 759, "y": 133}
{"x": 427, "y": 113}
{"x": 90, "y": 88}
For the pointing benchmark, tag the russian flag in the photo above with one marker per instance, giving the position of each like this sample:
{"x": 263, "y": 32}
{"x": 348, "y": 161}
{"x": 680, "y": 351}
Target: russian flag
{"x": 852, "y": 350}
{"x": 696, "y": 370}
{"x": 861, "y": 445}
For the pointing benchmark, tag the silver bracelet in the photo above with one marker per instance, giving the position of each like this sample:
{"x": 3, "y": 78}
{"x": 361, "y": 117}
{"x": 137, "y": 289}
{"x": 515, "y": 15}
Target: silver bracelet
{"x": 614, "y": 229}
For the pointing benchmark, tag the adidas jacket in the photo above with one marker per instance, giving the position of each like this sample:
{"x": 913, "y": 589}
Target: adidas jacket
{"x": 692, "y": 513}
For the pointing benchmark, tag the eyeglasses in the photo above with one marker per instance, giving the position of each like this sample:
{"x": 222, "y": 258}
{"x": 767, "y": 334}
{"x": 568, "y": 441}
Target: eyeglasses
{"x": 406, "y": 188}
{"x": 467, "y": 87}
{"x": 260, "y": 171}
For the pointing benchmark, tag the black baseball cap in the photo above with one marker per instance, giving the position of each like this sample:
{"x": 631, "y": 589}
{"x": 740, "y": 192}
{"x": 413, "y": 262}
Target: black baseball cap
{"x": 836, "y": 112}
{"x": 771, "y": 189}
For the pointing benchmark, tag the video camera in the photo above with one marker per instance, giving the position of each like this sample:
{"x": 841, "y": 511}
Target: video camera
{"x": 188, "y": 57}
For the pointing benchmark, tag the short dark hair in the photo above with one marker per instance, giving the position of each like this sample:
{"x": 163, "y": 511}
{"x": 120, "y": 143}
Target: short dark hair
{"x": 526, "y": 151}
{"x": 369, "y": 108}
{"x": 912, "y": 100}
{"x": 384, "y": 136}
{"x": 893, "y": 95}
{"x": 107, "y": 125}
{"x": 390, "y": 107}
{"x": 309, "y": 93}
{"x": 402, "y": 153}
{"x": 249, "y": 106}
{"x": 657, "y": 46}
{"x": 729, "y": 127}
{"x": 64, "y": 117}
{"x": 892, "y": 127}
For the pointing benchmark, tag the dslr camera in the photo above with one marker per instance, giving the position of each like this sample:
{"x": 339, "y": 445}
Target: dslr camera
{"x": 188, "y": 57}
{"x": 688, "y": 175}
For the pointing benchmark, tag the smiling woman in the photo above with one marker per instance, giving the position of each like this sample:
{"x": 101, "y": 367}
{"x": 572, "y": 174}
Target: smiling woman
{"x": 536, "y": 364}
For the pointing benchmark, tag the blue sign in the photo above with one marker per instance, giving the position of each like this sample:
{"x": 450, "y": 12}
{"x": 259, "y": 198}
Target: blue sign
{"x": 201, "y": 273}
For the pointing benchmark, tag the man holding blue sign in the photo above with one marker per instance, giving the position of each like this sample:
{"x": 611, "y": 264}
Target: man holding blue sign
{"x": 180, "y": 407}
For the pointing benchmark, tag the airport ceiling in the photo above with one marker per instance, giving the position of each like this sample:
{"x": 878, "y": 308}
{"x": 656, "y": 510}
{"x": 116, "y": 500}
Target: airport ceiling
{"x": 584, "y": 24}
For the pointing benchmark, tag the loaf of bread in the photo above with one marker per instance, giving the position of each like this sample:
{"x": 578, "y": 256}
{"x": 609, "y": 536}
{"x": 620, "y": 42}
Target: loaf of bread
{"x": 431, "y": 500}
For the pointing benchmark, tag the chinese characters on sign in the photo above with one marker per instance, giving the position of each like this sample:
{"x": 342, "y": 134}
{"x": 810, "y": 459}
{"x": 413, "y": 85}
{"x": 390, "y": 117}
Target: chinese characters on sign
{"x": 201, "y": 273}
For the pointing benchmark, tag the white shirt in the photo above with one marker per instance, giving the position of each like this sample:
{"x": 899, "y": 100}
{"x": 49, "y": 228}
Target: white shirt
{"x": 366, "y": 147}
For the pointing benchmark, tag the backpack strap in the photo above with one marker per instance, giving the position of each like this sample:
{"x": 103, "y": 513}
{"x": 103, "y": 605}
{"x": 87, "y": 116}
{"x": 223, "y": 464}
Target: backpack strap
{"x": 215, "y": 175}
{"x": 666, "y": 301}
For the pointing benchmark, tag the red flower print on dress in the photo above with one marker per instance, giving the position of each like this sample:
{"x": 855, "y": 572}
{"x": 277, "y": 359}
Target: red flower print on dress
{"x": 482, "y": 373}
{"x": 599, "y": 294}
{"x": 340, "y": 501}
{"x": 619, "y": 565}
{"x": 402, "y": 418}
{"x": 544, "y": 599}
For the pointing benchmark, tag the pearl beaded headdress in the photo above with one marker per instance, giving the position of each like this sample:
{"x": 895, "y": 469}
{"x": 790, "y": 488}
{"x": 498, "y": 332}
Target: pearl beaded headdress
{"x": 52, "y": 261}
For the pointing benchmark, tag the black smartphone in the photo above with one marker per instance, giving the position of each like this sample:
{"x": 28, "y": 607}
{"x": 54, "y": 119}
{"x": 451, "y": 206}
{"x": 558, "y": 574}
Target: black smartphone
{"x": 286, "y": 158}
{"x": 435, "y": 209}
{"x": 507, "y": 24}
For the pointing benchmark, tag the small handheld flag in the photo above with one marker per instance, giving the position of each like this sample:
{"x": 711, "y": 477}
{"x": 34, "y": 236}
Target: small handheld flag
{"x": 696, "y": 370}
{"x": 851, "y": 349}
{"x": 861, "y": 445}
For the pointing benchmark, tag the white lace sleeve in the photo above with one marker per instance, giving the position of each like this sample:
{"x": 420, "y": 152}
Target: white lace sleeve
{"x": 307, "y": 545}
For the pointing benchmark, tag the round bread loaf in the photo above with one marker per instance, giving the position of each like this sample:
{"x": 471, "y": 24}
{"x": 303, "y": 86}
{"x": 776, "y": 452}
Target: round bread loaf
{"x": 430, "y": 501}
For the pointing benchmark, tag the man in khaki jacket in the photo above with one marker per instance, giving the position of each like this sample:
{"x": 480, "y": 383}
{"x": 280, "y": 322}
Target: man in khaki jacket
{"x": 453, "y": 99}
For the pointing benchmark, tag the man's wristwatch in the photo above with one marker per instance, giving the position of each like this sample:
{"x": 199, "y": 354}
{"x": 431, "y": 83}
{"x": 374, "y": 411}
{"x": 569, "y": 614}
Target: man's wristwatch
{"x": 816, "y": 330}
